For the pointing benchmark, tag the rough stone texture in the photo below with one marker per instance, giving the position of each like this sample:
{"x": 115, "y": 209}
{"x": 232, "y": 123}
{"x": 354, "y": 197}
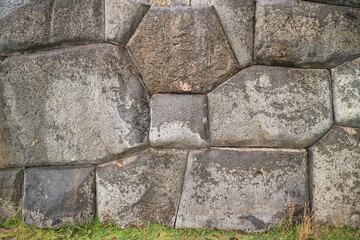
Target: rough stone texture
{"x": 335, "y": 177}
{"x": 350, "y": 3}
{"x": 179, "y": 121}
{"x": 8, "y": 6}
{"x": 11, "y": 189}
{"x": 237, "y": 18}
{"x": 77, "y": 21}
{"x": 271, "y": 106}
{"x": 242, "y": 189}
{"x": 167, "y": 3}
{"x": 188, "y": 53}
{"x": 25, "y": 27}
{"x": 143, "y": 188}
{"x": 121, "y": 19}
{"x": 346, "y": 88}
{"x": 59, "y": 196}
{"x": 305, "y": 34}
{"x": 77, "y": 105}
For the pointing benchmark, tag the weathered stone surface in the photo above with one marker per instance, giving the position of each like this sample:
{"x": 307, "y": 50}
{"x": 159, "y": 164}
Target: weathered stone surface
{"x": 168, "y": 3}
{"x": 11, "y": 189}
{"x": 77, "y": 105}
{"x": 79, "y": 21}
{"x": 350, "y": 3}
{"x": 178, "y": 120}
{"x": 8, "y": 6}
{"x": 188, "y": 53}
{"x": 25, "y": 27}
{"x": 335, "y": 177}
{"x": 143, "y": 188}
{"x": 59, "y": 196}
{"x": 305, "y": 34}
{"x": 242, "y": 189}
{"x": 121, "y": 19}
{"x": 237, "y": 18}
{"x": 346, "y": 88}
{"x": 271, "y": 106}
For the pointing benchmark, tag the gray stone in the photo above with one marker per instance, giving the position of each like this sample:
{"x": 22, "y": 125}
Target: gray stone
{"x": 350, "y": 3}
{"x": 346, "y": 90}
{"x": 11, "y": 189}
{"x": 178, "y": 120}
{"x": 242, "y": 189}
{"x": 121, "y": 19}
{"x": 59, "y": 196}
{"x": 26, "y": 27}
{"x": 77, "y": 105}
{"x": 188, "y": 53}
{"x": 168, "y": 3}
{"x": 237, "y": 18}
{"x": 272, "y": 107}
{"x": 335, "y": 177}
{"x": 141, "y": 189}
{"x": 8, "y": 6}
{"x": 305, "y": 34}
{"x": 79, "y": 21}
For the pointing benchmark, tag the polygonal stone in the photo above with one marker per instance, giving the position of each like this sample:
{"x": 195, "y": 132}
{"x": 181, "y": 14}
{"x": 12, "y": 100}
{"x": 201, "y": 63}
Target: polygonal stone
{"x": 346, "y": 88}
{"x": 178, "y": 121}
{"x": 188, "y": 53}
{"x": 335, "y": 177}
{"x": 242, "y": 189}
{"x": 237, "y": 18}
{"x": 121, "y": 19}
{"x": 11, "y": 190}
{"x": 271, "y": 106}
{"x": 77, "y": 105}
{"x": 305, "y": 34}
{"x": 8, "y": 6}
{"x": 25, "y": 27}
{"x": 59, "y": 196}
{"x": 350, "y": 3}
{"x": 79, "y": 21}
{"x": 143, "y": 188}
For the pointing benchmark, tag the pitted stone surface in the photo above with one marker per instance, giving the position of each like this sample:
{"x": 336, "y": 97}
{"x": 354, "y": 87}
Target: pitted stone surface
{"x": 241, "y": 189}
{"x": 77, "y": 105}
{"x": 237, "y": 18}
{"x": 346, "y": 85}
{"x": 335, "y": 177}
{"x": 168, "y": 3}
{"x": 121, "y": 19}
{"x": 11, "y": 190}
{"x": 143, "y": 188}
{"x": 181, "y": 49}
{"x": 350, "y": 3}
{"x": 305, "y": 34}
{"x": 59, "y": 196}
{"x": 8, "y": 6}
{"x": 271, "y": 106}
{"x": 178, "y": 120}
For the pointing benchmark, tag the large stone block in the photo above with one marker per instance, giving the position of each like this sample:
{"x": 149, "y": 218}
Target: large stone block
{"x": 305, "y": 34}
{"x": 335, "y": 177}
{"x": 8, "y": 6}
{"x": 77, "y": 105}
{"x": 59, "y": 196}
{"x": 181, "y": 49}
{"x": 143, "y": 188}
{"x": 350, "y": 3}
{"x": 179, "y": 120}
{"x": 271, "y": 106}
{"x": 11, "y": 190}
{"x": 237, "y": 18}
{"x": 242, "y": 189}
{"x": 346, "y": 88}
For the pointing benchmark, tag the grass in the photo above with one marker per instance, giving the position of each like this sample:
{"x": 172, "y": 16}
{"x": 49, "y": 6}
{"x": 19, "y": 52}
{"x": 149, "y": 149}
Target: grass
{"x": 15, "y": 229}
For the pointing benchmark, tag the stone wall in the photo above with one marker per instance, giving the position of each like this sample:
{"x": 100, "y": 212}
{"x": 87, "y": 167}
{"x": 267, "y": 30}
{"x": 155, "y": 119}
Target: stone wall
{"x": 201, "y": 113}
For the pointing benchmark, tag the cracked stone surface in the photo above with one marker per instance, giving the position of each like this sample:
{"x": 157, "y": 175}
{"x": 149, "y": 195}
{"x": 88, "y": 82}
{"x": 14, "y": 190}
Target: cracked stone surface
{"x": 335, "y": 177}
{"x": 346, "y": 88}
{"x": 305, "y": 34}
{"x": 241, "y": 189}
{"x": 143, "y": 188}
{"x": 11, "y": 190}
{"x": 350, "y": 3}
{"x": 272, "y": 107}
{"x": 87, "y": 105}
{"x": 237, "y": 18}
{"x": 188, "y": 53}
{"x": 178, "y": 120}
{"x": 59, "y": 196}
